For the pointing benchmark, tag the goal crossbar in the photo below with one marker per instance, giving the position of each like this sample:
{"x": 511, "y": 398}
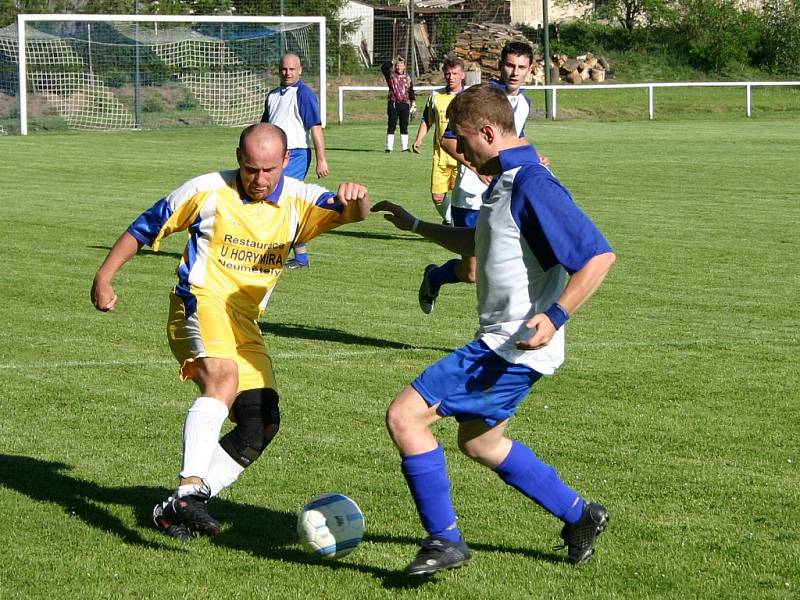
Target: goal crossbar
{"x": 24, "y": 19}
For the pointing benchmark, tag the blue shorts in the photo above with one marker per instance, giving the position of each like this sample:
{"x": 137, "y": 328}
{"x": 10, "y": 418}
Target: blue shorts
{"x": 464, "y": 217}
{"x": 299, "y": 162}
{"x": 475, "y": 383}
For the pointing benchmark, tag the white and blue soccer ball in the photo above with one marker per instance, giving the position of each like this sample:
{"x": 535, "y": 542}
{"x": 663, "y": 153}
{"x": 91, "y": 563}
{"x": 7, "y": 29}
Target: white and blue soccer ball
{"x": 330, "y": 526}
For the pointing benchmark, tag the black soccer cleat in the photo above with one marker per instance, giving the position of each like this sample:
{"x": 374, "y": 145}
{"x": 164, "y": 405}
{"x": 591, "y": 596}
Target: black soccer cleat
{"x": 427, "y": 295}
{"x": 191, "y": 512}
{"x": 438, "y": 554}
{"x": 579, "y": 538}
{"x": 179, "y": 531}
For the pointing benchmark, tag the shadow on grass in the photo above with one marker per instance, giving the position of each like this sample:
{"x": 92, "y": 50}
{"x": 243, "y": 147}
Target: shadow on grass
{"x": 340, "y": 149}
{"x": 401, "y": 236}
{"x": 259, "y": 531}
{"x": 325, "y": 334}
{"x": 145, "y": 252}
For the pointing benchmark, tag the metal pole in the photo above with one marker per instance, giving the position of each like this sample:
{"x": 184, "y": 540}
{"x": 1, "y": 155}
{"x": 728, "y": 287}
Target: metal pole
{"x": 89, "y": 44}
{"x": 546, "y": 50}
{"x": 23, "y": 76}
{"x": 137, "y": 80}
{"x": 412, "y": 53}
{"x": 749, "y": 101}
{"x": 283, "y": 33}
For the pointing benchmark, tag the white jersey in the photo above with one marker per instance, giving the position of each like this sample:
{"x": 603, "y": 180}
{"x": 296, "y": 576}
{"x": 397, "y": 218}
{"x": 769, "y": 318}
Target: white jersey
{"x": 530, "y": 236}
{"x": 294, "y": 109}
{"x": 469, "y": 188}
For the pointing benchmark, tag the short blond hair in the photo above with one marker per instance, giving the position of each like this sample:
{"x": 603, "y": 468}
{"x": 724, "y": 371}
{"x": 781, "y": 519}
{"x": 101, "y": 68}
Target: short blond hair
{"x": 481, "y": 104}
{"x": 451, "y": 60}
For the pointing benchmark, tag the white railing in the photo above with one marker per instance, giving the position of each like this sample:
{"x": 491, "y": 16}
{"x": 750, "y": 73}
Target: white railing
{"x": 749, "y": 85}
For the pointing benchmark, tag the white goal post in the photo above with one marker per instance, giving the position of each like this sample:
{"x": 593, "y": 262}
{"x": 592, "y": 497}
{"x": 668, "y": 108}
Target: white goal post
{"x": 105, "y": 71}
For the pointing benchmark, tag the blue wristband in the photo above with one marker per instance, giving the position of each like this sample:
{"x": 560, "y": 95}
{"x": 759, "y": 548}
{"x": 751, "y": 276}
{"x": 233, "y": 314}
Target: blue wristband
{"x": 557, "y": 315}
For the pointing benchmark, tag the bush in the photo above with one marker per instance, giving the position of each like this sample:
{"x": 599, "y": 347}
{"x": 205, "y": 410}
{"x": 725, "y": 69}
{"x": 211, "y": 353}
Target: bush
{"x": 152, "y": 104}
{"x": 117, "y": 78}
{"x": 350, "y": 63}
{"x": 729, "y": 43}
{"x": 779, "y": 46}
{"x": 186, "y": 103}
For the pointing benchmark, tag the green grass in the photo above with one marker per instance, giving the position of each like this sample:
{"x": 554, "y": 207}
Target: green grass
{"x": 677, "y": 406}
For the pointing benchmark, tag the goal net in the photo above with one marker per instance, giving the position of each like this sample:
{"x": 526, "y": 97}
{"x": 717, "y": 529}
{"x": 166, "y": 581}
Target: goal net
{"x": 131, "y": 72}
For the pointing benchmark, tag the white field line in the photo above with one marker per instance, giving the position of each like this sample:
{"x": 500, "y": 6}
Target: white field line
{"x": 73, "y": 364}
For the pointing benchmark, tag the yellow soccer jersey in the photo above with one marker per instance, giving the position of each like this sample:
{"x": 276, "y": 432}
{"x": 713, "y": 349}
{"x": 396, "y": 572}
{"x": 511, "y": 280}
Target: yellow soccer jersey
{"x": 436, "y": 117}
{"x": 237, "y": 247}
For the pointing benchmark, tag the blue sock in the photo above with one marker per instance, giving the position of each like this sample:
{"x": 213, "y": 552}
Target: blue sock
{"x": 301, "y": 254}
{"x": 426, "y": 475}
{"x": 540, "y": 482}
{"x": 445, "y": 273}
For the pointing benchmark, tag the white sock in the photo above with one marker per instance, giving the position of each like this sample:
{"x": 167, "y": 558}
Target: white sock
{"x": 201, "y": 434}
{"x": 222, "y": 471}
{"x": 390, "y": 141}
{"x": 444, "y": 209}
{"x": 404, "y": 141}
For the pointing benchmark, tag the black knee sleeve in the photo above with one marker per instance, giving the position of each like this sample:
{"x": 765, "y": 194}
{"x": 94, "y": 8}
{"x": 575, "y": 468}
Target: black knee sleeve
{"x": 258, "y": 419}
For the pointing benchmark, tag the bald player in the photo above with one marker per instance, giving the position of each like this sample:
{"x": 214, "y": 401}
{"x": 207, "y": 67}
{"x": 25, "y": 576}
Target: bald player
{"x": 241, "y": 224}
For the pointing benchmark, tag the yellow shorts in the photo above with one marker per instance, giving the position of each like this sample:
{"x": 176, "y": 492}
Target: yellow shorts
{"x": 215, "y": 331}
{"x": 443, "y": 178}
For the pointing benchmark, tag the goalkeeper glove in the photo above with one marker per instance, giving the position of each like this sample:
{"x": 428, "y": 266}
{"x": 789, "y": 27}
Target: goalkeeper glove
{"x": 413, "y": 109}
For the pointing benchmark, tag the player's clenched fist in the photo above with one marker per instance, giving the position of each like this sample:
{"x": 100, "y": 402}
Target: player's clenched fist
{"x": 354, "y": 197}
{"x": 351, "y": 191}
{"x": 103, "y": 296}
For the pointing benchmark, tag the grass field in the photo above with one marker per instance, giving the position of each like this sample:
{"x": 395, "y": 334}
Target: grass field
{"x": 677, "y": 406}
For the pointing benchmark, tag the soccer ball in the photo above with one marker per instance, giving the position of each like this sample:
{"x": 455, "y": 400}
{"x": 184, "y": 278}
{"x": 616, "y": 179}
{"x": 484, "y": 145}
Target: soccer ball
{"x": 330, "y": 526}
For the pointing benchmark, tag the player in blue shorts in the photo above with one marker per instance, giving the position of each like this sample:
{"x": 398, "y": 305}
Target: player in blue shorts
{"x": 294, "y": 107}
{"x": 539, "y": 258}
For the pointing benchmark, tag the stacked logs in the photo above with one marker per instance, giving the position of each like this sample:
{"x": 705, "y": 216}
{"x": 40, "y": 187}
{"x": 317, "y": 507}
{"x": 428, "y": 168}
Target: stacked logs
{"x": 480, "y": 47}
{"x": 581, "y": 68}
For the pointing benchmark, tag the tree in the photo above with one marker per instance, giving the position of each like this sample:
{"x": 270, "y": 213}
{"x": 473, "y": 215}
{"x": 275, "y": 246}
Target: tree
{"x": 719, "y": 34}
{"x": 329, "y": 9}
{"x": 638, "y": 13}
{"x": 779, "y": 47}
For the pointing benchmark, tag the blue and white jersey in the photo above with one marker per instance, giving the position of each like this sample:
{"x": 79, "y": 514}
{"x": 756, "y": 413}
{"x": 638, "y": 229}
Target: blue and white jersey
{"x": 530, "y": 236}
{"x": 469, "y": 187}
{"x": 295, "y": 109}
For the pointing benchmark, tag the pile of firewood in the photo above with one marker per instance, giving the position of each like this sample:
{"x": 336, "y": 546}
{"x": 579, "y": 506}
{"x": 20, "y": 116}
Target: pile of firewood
{"x": 480, "y": 47}
{"x": 581, "y": 68}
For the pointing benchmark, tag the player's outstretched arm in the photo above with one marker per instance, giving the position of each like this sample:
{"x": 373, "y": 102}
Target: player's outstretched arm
{"x": 421, "y": 133}
{"x": 355, "y": 199}
{"x": 103, "y": 295}
{"x": 460, "y": 240}
{"x": 579, "y": 289}
{"x": 319, "y": 150}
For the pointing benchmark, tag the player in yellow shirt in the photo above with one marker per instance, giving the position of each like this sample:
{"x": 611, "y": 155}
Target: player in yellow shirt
{"x": 445, "y": 167}
{"x": 241, "y": 224}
